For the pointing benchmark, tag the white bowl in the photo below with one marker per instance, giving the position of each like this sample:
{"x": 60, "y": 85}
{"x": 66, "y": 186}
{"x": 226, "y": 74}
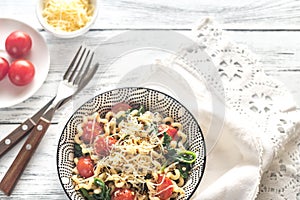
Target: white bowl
{"x": 61, "y": 33}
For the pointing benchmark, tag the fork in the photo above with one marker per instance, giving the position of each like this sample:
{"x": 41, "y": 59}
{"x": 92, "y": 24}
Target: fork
{"x": 75, "y": 78}
{"x": 23, "y": 129}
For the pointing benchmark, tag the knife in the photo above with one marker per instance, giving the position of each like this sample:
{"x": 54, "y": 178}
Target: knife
{"x": 21, "y": 131}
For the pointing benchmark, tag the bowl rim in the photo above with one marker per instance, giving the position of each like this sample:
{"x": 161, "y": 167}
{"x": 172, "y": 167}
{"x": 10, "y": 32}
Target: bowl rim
{"x": 137, "y": 88}
{"x": 64, "y": 34}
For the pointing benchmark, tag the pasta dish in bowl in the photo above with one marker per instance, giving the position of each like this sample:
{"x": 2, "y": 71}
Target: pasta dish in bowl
{"x": 131, "y": 144}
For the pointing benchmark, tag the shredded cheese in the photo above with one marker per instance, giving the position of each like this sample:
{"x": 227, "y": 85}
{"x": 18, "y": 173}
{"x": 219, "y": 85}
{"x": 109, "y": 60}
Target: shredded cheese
{"x": 67, "y": 15}
{"x": 136, "y": 159}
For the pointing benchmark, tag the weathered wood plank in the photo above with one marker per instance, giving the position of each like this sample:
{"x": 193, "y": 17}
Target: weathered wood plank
{"x": 232, "y": 13}
{"x": 40, "y": 179}
{"x": 278, "y": 53}
{"x": 253, "y": 14}
{"x": 279, "y": 59}
{"x": 277, "y": 50}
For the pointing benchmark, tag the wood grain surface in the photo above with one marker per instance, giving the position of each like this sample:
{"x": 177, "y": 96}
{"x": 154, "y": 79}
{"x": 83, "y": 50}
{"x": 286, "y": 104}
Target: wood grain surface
{"x": 166, "y": 14}
{"x": 271, "y": 29}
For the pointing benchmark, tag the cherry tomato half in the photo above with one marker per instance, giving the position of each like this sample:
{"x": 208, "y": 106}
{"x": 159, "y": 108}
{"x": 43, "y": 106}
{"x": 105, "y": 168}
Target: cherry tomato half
{"x": 85, "y": 167}
{"x": 18, "y": 44}
{"x": 164, "y": 189}
{"x": 171, "y": 130}
{"x": 120, "y": 107}
{"x": 91, "y": 130}
{"x": 123, "y": 194}
{"x": 4, "y": 67}
{"x": 21, "y": 72}
{"x": 103, "y": 145}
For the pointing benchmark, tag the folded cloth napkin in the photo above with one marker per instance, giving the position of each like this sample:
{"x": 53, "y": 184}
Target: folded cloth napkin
{"x": 234, "y": 150}
{"x": 246, "y": 160}
{"x": 252, "y": 137}
{"x": 234, "y": 164}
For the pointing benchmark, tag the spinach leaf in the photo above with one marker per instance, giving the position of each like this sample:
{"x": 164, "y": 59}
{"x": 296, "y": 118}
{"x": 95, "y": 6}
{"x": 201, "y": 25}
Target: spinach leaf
{"x": 86, "y": 194}
{"x": 167, "y": 140}
{"x": 184, "y": 169}
{"x": 77, "y": 150}
{"x": 141, "y": 110}
{"x": 105, "y": 191}
{"x": 119, "y": 119}
{"x": 187, "y": 157}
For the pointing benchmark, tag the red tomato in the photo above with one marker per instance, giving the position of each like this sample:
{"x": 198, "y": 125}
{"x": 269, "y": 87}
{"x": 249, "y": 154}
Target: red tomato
{"x": 85, "y": 167}
{"x": 123, "y": 194}
{"x": 165, "y": 187}
{"x": 4, "y": 67}
{"x": 21, "y": 72}
{"x": 171, "y": 130}
{"x": 120, "y": 107}
{"x": 18, "y": 44}
{"x": 103, "y": 144}
{"x": 91, "y": 130}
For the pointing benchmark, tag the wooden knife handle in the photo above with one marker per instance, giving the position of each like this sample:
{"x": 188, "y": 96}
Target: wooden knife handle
{"x": 16, "y": 169}
{"x": 15, "y": 136}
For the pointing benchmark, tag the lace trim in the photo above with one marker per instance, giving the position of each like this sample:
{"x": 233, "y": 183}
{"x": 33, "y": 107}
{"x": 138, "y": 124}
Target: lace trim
{"x": 261, "y": 99}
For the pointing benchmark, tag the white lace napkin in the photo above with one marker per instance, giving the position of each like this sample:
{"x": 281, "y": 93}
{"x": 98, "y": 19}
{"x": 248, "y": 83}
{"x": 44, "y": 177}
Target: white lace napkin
{"x": 234, "y": 150}
{"x": 257, "y": 154}
{"x": 234, "y": 164}
{"x": 252, "y": 129}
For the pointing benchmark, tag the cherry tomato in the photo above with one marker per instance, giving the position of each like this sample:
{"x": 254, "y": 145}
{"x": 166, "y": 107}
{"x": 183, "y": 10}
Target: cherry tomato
{"x": 171, "y": 130}
{"x": 21, "y": 72}
{"x": 123, "y": 194}
{"x": 18, "y": 44}
{"x": 85, "y": 167}
{"x": 164, "y": 189}
{"x": 91, "y": 130}
{"x": 4, "y": 67}
{"x": 120, "y": 107}
{"x": 103, "y": 144}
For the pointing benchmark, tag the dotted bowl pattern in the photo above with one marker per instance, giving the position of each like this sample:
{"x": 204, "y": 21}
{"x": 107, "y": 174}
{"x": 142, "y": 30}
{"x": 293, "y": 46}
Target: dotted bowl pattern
{"x": 152, "y": 100}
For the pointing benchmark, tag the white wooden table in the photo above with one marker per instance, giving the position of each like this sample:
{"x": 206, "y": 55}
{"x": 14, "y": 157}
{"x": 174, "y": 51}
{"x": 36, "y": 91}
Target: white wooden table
{"x": 271, "y": 29}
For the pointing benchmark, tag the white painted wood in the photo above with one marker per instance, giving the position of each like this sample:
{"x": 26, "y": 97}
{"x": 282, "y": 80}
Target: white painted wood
{"x": 278, "y": 51}
{"x": 255, "y": 14}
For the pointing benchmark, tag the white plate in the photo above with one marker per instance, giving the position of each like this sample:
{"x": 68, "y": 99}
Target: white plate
{"x": 39, "y": 55}
{"x": 182, "y": 76}
{"x": 146, "y": 68}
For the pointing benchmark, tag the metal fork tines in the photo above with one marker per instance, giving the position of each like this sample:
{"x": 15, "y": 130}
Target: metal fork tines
{"x": 75, "y": 78}
{"x": 82, "y": 58}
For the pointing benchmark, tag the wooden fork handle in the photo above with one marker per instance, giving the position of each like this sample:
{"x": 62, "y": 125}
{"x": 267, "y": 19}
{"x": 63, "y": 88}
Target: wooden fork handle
{"x": 16, "y": 169}
{"x": 15, "y": 136}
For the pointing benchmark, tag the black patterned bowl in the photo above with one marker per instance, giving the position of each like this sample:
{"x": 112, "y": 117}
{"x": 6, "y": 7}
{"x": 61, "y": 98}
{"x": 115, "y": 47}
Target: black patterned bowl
{"x": 152, "y": 100}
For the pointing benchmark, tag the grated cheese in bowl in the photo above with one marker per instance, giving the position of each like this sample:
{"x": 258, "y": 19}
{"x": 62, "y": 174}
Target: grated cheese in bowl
{"x": 67, "y": 18}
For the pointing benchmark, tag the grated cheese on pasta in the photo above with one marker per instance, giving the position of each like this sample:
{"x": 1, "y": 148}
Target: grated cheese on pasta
{"x": 137, "y": 153}
{"x": 67, "y": 15}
